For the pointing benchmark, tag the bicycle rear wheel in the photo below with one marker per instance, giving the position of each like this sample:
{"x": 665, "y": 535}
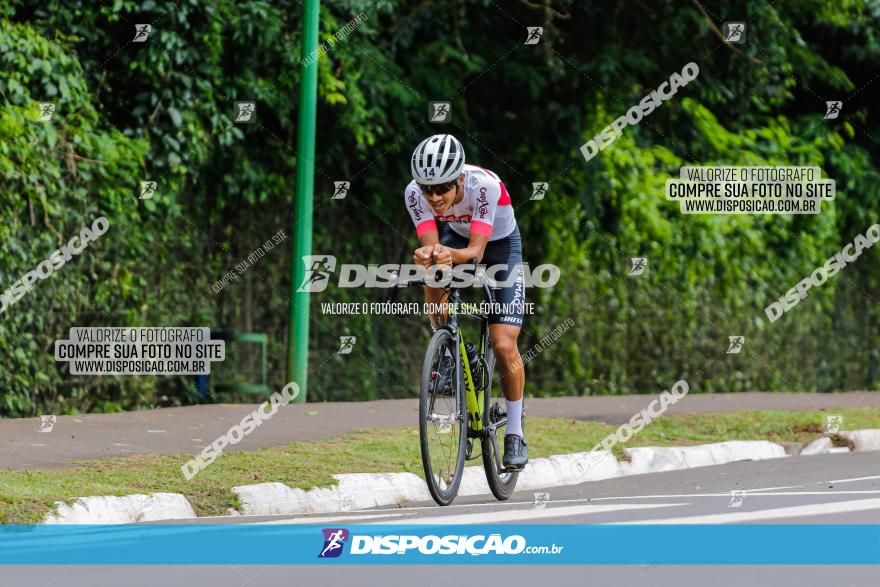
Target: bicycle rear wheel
{"x": 442, "y": 427}
{"x": 501, "y": 484}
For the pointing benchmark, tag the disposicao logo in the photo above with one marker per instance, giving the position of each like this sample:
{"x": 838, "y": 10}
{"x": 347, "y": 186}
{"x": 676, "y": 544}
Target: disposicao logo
{"x": 334, "y": 540}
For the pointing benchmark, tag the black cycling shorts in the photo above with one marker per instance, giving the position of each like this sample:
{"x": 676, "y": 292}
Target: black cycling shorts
{"x": 505, "y": 251}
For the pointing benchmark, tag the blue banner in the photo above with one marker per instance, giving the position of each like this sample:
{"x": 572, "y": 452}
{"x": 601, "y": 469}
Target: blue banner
{"x": 261, "y": 544}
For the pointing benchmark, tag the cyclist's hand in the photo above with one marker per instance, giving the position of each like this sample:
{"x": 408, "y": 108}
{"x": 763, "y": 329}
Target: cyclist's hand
{"x": 441, "y": 255}
{"x": 422, "y": 256}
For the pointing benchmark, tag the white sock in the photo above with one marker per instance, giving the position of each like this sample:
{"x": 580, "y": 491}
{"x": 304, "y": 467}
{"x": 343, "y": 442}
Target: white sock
{"x": 514, "y": 417}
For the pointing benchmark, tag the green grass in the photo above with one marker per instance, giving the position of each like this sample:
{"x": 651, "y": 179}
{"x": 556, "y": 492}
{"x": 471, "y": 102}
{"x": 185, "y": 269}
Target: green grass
{"x": 25, "y": 496}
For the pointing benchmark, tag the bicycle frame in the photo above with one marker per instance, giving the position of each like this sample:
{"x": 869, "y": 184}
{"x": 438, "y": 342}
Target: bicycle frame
{"x": 480, "y": 425}
{"x": 473, "y": 397}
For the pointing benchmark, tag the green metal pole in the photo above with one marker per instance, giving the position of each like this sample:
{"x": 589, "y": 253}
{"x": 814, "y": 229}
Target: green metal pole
{"x": 298, "y": 322}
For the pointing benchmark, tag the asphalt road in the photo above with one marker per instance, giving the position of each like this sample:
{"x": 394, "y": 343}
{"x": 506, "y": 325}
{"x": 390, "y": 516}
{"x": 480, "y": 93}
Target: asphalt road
{"x": 190, "y": 429}
{"x": 797, "y": 490}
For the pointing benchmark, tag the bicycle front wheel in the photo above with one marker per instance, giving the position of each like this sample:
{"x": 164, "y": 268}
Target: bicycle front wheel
{"x": 442, "y": 427}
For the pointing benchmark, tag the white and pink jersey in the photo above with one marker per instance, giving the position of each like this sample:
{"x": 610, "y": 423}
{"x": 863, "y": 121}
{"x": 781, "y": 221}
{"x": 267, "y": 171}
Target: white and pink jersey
{"x": 484, "y": 209}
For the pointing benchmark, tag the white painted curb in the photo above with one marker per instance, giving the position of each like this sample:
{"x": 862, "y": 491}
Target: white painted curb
{"x": 650, "y": 459}
{"x": 122, "y": 510}
{"x": 862, "y": 440}
{"x": 365, "y": 490}
{"x": 357, "y": 491}
{"x": 354, "y": 491}
{"x": 820, "y": 446}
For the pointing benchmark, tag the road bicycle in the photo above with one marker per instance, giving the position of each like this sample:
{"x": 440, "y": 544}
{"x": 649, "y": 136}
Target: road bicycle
{"x": 458, "y": 403}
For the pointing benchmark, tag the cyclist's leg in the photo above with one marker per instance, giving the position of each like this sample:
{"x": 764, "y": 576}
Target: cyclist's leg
{"x": 504, "y": 343}
{"x": 503, "y": 258}
{"x": 513, "y": 375}
{"x": 513, "y": 380}
{"x": 434, "y": 296}
{"x": 504, "y": 329}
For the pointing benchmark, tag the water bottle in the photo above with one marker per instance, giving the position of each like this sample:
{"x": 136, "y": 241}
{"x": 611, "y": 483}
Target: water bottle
{"x": 473, "y": 362}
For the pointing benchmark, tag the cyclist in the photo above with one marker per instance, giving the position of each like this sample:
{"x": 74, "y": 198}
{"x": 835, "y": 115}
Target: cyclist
{"x": 460, "y": 212}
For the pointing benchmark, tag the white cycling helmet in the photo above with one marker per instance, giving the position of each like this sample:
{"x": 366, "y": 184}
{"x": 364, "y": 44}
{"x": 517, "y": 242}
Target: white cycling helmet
{"x": 437, "y": 159}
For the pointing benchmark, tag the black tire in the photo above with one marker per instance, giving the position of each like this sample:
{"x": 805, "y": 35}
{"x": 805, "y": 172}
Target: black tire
{"x": 443, "y": 468}
{"x": 501, "y": 484}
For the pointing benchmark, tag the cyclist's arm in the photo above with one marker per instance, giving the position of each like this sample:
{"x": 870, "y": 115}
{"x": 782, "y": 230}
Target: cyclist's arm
{"x": 429, "y": 238}
{"x": 421, "y": 215}
{"x": 476, "y": 247}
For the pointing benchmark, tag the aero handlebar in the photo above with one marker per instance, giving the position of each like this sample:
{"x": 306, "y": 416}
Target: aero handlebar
{"x": 480, "y": 273}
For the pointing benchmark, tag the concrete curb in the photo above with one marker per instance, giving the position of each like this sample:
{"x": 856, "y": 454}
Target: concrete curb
{"x": 862, "y": 440}
{"x": 354, "y": 491}
{"x": 818, "y": 447}
{"x": 127, "y": 509}
{"x": 648, "y": 459}
{"x": 357, "y": 491}
{"x": 365, "y": 490}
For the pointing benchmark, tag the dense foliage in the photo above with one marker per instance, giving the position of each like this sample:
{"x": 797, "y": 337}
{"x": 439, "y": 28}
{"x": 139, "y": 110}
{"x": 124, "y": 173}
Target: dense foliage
{"x": 162, "y": 110}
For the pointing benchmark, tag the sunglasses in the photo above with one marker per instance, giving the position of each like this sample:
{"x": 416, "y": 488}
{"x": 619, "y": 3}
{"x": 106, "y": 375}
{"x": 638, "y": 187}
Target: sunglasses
{"x": 440, "y": 188}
